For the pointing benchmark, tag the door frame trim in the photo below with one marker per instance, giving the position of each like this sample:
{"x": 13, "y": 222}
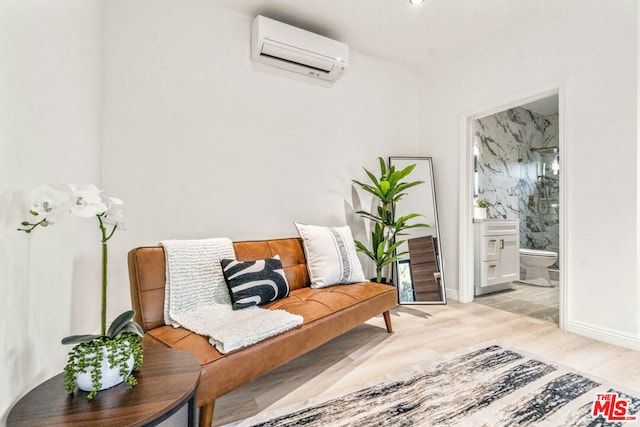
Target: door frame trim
{"x": 465, "y": 193}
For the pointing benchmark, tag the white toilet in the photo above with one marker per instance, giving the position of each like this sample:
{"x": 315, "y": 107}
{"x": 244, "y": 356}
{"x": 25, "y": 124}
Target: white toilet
{"x": 535, "y": 263}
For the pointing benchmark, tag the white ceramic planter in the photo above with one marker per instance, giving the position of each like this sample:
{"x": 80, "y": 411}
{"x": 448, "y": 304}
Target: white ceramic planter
{"x": 479, "y": 213}
{"x": 110, "y": 376}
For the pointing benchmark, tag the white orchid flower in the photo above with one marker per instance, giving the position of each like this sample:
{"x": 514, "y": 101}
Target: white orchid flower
{"x": 48, "y": 202}
{"x": 87, "y": 201}
{"x": 83, "y": 200}
{"x": 114, "y": 215}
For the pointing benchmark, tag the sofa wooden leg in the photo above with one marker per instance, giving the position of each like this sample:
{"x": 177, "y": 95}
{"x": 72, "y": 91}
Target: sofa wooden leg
{"x": 206, "y": 414}
{"x": 387, "y": 321}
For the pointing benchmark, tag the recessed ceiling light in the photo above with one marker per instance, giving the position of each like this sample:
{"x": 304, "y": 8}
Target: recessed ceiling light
{"x": 415, "y": 2}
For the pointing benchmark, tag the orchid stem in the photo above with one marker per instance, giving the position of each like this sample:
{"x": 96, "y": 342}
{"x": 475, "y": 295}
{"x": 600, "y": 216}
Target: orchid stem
{"x": 103, "y": 318}
{"x": 104, "y": 288}
{"x": 28, "y": 230}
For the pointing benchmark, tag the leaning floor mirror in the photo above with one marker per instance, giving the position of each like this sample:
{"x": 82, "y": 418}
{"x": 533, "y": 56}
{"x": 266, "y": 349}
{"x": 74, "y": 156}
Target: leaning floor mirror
{"x": 419, "y": 272}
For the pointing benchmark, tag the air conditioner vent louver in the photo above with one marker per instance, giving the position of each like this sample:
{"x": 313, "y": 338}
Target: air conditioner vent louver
{"x": 294, "y": 63}
{"x": 297, "y": 50}
{"x": 294, "y": 57}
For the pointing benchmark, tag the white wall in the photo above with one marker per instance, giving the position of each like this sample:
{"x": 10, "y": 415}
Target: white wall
{"x": 200, "y": 144}
{"x": 590, "y": 48}
{"x": 50, "y": 78}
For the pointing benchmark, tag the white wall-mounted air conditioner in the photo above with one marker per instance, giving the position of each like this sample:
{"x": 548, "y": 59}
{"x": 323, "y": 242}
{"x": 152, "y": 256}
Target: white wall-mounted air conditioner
{"x": 290, "y": 48}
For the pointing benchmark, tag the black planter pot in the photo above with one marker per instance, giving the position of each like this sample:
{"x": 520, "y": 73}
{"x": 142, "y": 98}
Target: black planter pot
{"x": 383, "y": 280}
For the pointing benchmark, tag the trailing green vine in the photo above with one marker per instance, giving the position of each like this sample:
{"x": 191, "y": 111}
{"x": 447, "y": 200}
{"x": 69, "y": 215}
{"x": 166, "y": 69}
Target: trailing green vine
{"x": 87, "y": 357}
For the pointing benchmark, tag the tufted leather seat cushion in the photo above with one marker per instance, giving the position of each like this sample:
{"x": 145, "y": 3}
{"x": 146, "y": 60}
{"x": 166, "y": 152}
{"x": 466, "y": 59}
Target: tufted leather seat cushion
{"x": 311, "y": 304}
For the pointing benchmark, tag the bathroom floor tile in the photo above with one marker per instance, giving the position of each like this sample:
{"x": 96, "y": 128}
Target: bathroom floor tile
{"x": 528, "y": 300}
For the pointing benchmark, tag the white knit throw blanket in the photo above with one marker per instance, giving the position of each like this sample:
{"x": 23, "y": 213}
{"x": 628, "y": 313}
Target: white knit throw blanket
{"x": 197, "y": 298}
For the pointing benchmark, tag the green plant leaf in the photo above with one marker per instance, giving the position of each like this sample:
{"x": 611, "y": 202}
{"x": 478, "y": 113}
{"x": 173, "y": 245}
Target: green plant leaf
{"x": 360, "y": 247}
{"x": 383, "y": 166}
{"x": 415, "y": 226}
{"x": 362, "y": 185}
{"x": 388, "y": 261}
{"x": 371, "y": 176}
{"x": 120, "y": 322}
{"x": 380, "y": 253}
{"x": 394, "y": 246}
{"x": 375, "y": 190}
{"x": 402, "y": 187}
{"x": 369, "y": 216}
{"x": 132, "y": 327}
{"x": 406, "y": 171}
{"x": 407, "y": 217}
{"x": 77, "y": 339}
{"x": 384, "y": 187}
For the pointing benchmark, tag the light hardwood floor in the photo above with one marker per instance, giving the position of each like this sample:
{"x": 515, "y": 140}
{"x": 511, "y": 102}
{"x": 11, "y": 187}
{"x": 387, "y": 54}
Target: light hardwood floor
{"x": 422, "y": 334}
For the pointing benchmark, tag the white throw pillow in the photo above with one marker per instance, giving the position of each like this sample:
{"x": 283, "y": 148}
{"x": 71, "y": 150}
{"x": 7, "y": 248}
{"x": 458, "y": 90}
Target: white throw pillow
{"x": 331, "y": 255}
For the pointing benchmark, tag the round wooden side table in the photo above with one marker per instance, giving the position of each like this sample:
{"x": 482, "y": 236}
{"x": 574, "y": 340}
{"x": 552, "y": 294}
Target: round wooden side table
{"x": 167, "y": 380}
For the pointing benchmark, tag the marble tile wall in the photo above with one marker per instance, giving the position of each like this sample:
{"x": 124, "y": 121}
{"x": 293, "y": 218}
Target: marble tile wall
{"x": 516, "y": 181}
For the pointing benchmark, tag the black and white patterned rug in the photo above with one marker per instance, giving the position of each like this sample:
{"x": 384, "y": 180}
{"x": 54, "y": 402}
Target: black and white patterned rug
{"x": 490, "y": 386}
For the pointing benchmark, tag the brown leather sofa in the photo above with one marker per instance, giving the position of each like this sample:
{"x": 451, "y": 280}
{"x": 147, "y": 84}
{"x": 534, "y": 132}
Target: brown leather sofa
{"x": 327, "y": 313}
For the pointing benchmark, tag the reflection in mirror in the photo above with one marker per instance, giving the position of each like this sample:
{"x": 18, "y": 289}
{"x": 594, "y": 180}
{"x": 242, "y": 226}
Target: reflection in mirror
{"x": 419, "y": 272}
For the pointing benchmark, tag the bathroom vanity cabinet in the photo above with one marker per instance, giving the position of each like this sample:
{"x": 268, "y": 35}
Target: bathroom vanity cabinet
{"x": 497, "y": 255}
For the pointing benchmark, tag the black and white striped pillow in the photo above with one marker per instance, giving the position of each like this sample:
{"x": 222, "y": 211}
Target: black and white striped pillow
{"x": 254, "y": 282}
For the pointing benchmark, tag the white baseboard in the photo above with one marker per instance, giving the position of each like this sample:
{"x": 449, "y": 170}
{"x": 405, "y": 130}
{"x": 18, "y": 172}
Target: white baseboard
{"x": 451, "y": 294}
{"x": 607, "y": 335}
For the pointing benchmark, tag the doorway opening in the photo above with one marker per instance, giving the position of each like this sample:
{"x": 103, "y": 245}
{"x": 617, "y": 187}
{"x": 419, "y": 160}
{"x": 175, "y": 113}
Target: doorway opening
{"x": 514, "y": 188}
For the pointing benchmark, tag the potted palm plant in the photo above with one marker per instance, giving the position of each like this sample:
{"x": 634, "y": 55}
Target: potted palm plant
{"x": 96, "y": 362}
{"x": 388, "y": 189}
